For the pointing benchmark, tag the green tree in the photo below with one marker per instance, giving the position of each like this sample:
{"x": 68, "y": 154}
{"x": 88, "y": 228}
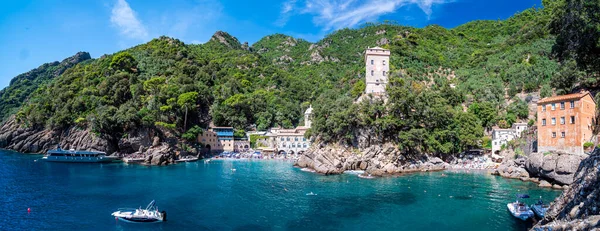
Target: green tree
{"x": 187, "y": 100}
{"x": 577, "y": 26}
{"x": 123, "y": 61}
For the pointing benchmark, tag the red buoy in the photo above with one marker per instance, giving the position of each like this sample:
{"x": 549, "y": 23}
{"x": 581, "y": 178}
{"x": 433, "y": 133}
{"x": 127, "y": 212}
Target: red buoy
{"x": 28, "y": 210}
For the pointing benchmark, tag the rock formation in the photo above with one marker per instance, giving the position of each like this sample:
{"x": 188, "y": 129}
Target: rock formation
{"x": 578, "y": 207}
{"x": 376, "y": 160}
{"x": 556, "y": 167}
{"x": 145, "y": 141}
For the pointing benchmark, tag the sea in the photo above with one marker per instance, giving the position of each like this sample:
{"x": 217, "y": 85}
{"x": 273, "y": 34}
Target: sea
{"x": 251, "y": 195}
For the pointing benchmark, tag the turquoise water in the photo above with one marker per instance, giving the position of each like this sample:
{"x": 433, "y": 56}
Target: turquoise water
{"x": 259, "y": 195}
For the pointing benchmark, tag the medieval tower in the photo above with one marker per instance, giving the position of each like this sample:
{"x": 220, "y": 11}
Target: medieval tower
{"x": 377, "y": 65}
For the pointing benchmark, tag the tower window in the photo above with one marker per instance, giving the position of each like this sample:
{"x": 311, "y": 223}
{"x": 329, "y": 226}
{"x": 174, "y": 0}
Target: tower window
{"x": 383, "y": 73}
{"x": 372, "y": 72}
{"x": 383, "y": 62}
{"x": 372, "y": 62}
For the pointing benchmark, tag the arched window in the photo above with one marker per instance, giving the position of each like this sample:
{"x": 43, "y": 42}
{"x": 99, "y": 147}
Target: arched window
{"x": 372, "y": 72}
{"x": 383, "y": 73}
{"x": 372, "y": 62}
{"x": 383, "y": 61}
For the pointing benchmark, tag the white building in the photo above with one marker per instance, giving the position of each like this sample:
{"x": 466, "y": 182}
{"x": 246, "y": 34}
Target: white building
{"x": 377, "y": 68}
{"x": 502, "y": 136}
{"x": 290, "y": 141}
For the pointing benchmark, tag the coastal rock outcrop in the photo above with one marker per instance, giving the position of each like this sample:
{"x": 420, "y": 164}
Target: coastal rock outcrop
{"x": 141, "y": 141}
{"x": 558, "y": 167}
{"x": 376, "y": 160}
{"x": 578, "y": 207}
{"x": 513, "y": 169}
{"x": 31, "y": 140}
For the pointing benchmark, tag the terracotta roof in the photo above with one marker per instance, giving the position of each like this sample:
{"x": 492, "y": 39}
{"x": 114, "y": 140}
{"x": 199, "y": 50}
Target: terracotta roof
{"x": 563, "y": 97}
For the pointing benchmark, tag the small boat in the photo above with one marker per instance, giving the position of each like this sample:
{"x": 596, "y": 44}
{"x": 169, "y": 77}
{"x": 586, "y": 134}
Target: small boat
{"x": 130, "y": 160}
{"x": 366, "y": 176}
{"x": 519, "y": 209}
{"x": 311, "y": 194}
{"x": 187, "y": 159}
{"x": 148, "y": 215}
{"x": 354, "y": 172}
{"x": 540, "y": 208}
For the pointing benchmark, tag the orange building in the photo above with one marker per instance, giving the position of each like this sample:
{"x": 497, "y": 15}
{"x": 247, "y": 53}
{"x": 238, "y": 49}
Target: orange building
{"x": 565, "y": 122}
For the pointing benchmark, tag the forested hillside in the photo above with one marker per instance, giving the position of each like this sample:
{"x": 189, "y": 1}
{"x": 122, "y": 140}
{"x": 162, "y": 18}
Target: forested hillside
{"x": 447, "y": 85}
{"x": 20, "y": 87}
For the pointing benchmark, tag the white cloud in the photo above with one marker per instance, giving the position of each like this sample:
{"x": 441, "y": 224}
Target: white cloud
{"x": 336, "y": 14}
{"x": 286, "y": 12}
{"x": 124, "y": 18}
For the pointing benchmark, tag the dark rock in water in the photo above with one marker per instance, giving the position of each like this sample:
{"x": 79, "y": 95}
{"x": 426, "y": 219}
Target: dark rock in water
{"x": 578, "y": 207}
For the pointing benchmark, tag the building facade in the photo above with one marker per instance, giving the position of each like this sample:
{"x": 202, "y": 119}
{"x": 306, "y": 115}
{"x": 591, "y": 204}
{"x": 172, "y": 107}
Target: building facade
{"x": 217, "y": 139}
{"x": 377, "y": 68}
{"x": 502, "y": 136}
{"x": 208, "y": 138}
{"x": 565, "y": 122}
{"x": 288, "y": 141}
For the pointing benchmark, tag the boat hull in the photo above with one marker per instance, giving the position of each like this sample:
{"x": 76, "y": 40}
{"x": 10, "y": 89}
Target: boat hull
{"x": 523, "y": 215}
{"x": 66, "y": 159}
{"x": 539, "y": 210}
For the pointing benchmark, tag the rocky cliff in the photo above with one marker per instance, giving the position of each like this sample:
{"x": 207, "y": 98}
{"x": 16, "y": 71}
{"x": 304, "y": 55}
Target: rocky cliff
{"x": 577, "y": 208}
{"x": 376, "y": 160}
{"x": 158, "y": 148}
{"x": 555, "y": 169}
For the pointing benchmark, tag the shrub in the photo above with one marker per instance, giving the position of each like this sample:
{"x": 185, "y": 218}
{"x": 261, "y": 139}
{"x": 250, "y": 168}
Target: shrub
{"x": 588, "y": 145}
{"x": 531, "y": 122}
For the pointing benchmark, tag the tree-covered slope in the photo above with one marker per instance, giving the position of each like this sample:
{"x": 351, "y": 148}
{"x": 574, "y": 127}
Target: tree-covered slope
{"x": 13, "y": 96}
{"x": 480, "y": 65}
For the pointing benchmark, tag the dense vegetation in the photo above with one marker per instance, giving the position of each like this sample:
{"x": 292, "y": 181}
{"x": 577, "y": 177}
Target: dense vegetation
{"x": 20, "y": 87}
{"x": 447, "y": 85}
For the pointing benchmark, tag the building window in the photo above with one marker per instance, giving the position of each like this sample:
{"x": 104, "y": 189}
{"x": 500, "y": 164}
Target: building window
{"x": 372, "y": 62}
{"x": 553, "y": 121}
{"x": 303, "y": 139}
{"x": 282, "y": 139}
{"x": 383, "y": 62}
{"x": 562, "y": 120}
{"x": 383, "y": 73}
{"x": 544, "y": 107}
{"x": 372, "y": 72}
{"x": 572, "y": 119}
{"x": 553, "y": 134}
{"x": 543, "y": 122}
{"x": 553, "y": 106}
{"x": 562, "y": 134}
{"x": 572, "y": 104}
{"x": 288, "y": 139}
{"x": 296, "y": 139}
{"x": 562, "y": 105}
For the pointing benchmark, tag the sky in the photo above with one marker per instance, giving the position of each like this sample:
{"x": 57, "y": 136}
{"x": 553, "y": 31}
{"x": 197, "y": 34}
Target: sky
{"x": 37, "y": 32}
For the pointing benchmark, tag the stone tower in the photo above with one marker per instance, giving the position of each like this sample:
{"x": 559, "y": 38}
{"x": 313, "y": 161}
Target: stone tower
{"x": 377, "y": 65}
{"x": 307, "y": 115}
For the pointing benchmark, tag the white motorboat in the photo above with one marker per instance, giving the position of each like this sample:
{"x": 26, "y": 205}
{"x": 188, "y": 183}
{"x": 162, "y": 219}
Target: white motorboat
{"x": 187, "y": 159}
{"x": 366, "y": 176}
{"x": 130, "y": 160}
{"x": 519, "y": 209}
{"x": 148, "y": 215}
{"x": 540, "y": 208}
{"x": 311, "y": 194}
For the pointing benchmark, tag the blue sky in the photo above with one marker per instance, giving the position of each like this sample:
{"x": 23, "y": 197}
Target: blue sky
{"x": 36, "y": 32}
